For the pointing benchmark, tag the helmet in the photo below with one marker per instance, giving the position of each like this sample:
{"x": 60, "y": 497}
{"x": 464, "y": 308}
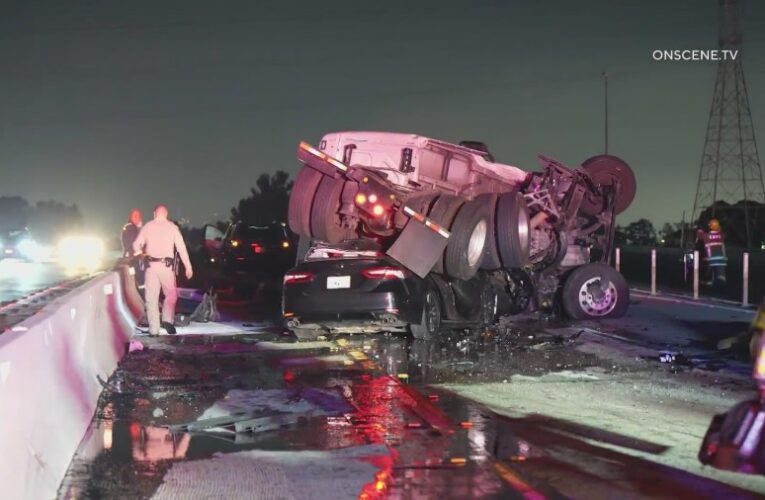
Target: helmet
{"x": 714, "y": 225}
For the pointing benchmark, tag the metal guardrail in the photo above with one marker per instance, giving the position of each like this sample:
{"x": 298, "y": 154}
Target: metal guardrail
{"x": 745, "y": 274}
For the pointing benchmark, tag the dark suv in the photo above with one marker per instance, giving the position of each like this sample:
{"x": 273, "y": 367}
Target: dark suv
{"x": 251, "y": 254}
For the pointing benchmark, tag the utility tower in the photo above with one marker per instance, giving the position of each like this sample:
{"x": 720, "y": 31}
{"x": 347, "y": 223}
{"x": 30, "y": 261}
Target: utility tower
{"x": 730, "y": 166}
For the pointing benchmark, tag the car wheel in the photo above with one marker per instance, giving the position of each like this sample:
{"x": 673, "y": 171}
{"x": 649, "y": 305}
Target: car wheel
{"x": 491, "y": 259}
{"x": 595, "y": 291}
{"x": 301, "y": 198}
{"x": 431, "y": 317}
{"x": 325, "y": 219}
{"x": 464, "y": 252}
{"x": 443, "y": 212}
{"x": 512, "y": 230}
{"x": 489, "y": 305}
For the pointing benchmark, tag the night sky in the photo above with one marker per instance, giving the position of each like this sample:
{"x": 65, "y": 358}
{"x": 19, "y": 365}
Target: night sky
{"x": 112, "y": 105}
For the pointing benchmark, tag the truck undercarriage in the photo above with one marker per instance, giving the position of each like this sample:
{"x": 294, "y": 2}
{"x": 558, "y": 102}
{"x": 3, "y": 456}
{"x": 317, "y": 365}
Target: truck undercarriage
{"x": 544, "y": 238}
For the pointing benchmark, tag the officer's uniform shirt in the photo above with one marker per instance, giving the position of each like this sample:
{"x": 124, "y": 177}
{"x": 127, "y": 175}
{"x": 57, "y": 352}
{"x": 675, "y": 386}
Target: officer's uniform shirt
{"x": 161, "y": 238}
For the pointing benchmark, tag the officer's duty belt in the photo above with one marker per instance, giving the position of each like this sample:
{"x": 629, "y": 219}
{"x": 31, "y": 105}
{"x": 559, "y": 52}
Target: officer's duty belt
{"x": 167, "y": 260}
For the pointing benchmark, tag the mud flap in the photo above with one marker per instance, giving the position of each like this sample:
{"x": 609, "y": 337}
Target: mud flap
{"x": 418, "y": 248}
{"x": 734, "y": 439}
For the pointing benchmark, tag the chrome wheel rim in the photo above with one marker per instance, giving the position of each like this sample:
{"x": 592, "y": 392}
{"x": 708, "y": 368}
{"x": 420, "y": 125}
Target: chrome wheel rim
{"x": 476, "y": 243}
{"x": 598, "y": 297}
{"x": 524, "y": 236}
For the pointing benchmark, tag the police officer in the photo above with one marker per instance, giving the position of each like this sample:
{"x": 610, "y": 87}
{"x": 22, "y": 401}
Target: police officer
{"x": 130, "y": 232}
{"x": 712, "y": 249}
{"x": 158, "y": 240}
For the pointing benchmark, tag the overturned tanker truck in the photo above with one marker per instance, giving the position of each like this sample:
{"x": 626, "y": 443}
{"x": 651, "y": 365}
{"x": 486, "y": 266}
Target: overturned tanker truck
{"x": 449, "y": 211}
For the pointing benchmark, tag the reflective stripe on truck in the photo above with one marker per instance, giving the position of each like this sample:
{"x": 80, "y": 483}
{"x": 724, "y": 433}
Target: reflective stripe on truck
{"x": 428, "y": 223}
{"x": 323, "y": 156}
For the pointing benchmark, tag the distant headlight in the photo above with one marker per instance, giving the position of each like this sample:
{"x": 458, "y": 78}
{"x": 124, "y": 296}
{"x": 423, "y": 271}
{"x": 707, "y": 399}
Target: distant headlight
{"x": 30, "y": 249}
{"x": 81, "y": 251}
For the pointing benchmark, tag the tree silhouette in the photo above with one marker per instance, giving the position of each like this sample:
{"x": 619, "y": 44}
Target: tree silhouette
{"x": 733, "y": 221}
{"x": 641, "y": 232}
{"x": 267, "y": 202}
{"x": 46, "y": 220}
{"x": 14, "y": 213}
{"x": 50, "y": 220}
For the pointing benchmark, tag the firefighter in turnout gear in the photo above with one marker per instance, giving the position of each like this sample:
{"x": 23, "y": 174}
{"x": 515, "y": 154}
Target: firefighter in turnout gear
{"x": 711, "y": 245}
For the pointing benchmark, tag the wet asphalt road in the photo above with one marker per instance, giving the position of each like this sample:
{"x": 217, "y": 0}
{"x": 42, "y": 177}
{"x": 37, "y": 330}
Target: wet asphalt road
{"x": 18, "y": 278}
{"x": 27, "y": 287}
{"x": 372, "y": 394}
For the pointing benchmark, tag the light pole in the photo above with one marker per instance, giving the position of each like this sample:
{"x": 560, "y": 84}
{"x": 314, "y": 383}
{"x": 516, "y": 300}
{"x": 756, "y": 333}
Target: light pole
{"x": 605, "y": 117}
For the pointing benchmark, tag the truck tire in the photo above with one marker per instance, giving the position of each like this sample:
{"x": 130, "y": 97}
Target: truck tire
{"x": 604, "y": 170}
{"x": 464, "y": 251}
{"x": 595, "y": 291}
{"x": 491, "y": 259}
{"x": 301, "y": 199}
{"x": 443, "y": 212}
{"x": 325, "y": 219}
{"x": 431, "y": 317}
{"x": 513, "y": 235}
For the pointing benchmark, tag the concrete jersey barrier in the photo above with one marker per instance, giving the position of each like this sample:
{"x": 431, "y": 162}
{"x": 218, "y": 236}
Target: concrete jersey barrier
{"x": 49, "y": 389}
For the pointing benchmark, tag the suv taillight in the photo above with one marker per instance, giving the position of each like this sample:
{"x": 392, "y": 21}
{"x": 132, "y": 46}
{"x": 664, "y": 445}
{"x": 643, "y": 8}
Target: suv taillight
{"x": 384, "y": 273}
{"x": 295, "y": 278}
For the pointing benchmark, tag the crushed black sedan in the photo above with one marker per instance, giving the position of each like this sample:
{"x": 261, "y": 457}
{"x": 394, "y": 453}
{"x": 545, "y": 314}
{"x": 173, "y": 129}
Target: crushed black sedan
{"x": 353, "y": 287}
